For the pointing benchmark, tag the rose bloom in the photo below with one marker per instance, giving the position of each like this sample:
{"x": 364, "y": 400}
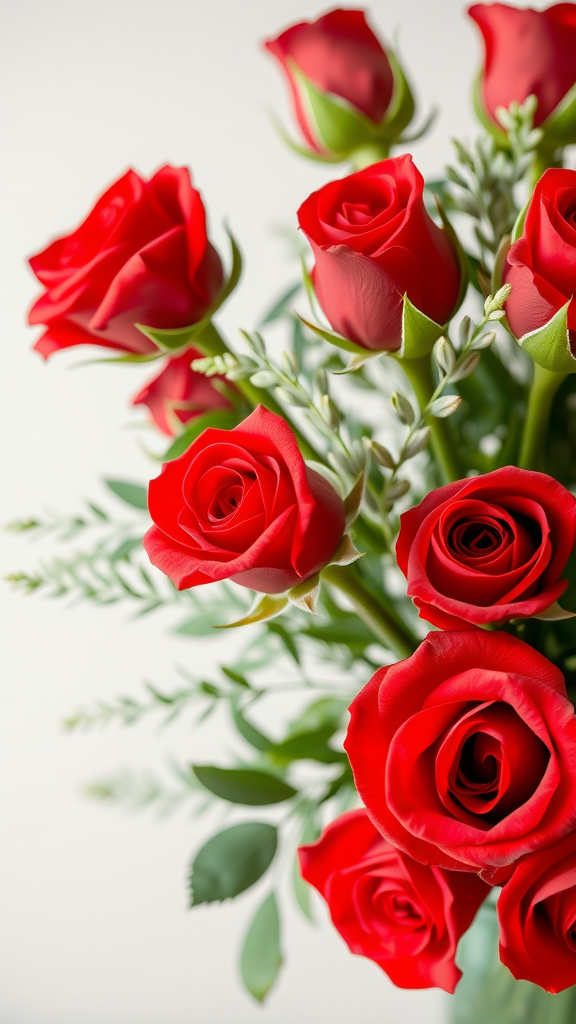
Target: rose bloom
{"x": 488, "y": 548}
{"x": 388, "y": 907}
{"x": 527, "y": 53}
{"x": 241, "y": 504}
{"x": 180, "y": 394}
{"x": 537, "y": 914}
{"x": 465, "y": 753}
{"x": 341, "y": 56}
{"x": 141, "y": 256}
{"x": 541, "y": 265}
{"x": 373, "y": 241}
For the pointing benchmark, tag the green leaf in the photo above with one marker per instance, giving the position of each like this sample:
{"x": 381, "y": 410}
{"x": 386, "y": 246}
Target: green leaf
{"x": 266, "y": 607}
{"x": 261, "y": 957}
{"x": 560, "y": 126}
{"x": 132, "y": 494}
{"x": 401, "y": 109}
{"x": 326, "y": 712}
{"x": 310, "y": 154}
{"x": 308, "y": 746}
{"x": 200, "y": 624}
{"x": 419, "y": 333}
{"x": 301, "y": 890}
{"x": 353, "y": 500}
{"x": 337, "y": 339}
{"x": 280, "y": 307}
{"x": 460, "y": 253}
{"x": 248, "y": 786}
{"x": 549, "y": 346}
{"x": 248, "y": 731}
{"x": 223, "y": 419}
{"x": 232, "y": 861}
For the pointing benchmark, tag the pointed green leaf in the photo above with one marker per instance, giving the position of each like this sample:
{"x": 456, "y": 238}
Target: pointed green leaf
{"x": 337, "y": 339}
{"x": 460, "y": 253}
{"x": 346, "y": 553}
{"x": 419, "y": 333}
{"x": 231, "y": 861}
{"x": 353, "y": 501}
{"x": 500, "y": 263}
{"x": 560, "y": 126}
{"x": 310, "y": 154}
{"x": 554, "y": 613}
{"x": 132, "y": 494}
{"x": 305, "y": 595}
{"x": 266, "y": 607}
{"x": 301, "y": 890}
{"x": 261, "y": 957}
{"x": 401, "y": 109}
{"x": 248, "y": 786}
{"x": 518, "y": 229}
{"x": 280, "y": 307}
{"x": 249, "y": 732}
{"x": 356, "y": 362}
{"x": 549, "y": 346}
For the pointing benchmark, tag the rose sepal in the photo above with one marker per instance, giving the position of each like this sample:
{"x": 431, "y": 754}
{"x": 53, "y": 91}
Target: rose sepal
{"x": 549, "y": 346}
{"x": 460, "y": 254}
{"x": 492, "y": 127}
{"x": 341, "y": 129}
{"x": 305, "y": 595}
{"x": 176, "y": 338}
{"x": 266, "y": 607}
{"x": 559, "y": 128}
{"x": 554, "y": 614}
{"x": 419, "y": 332}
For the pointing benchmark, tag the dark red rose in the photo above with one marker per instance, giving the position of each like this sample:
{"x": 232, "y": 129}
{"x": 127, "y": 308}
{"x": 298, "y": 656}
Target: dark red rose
{"x": 241, "y": 504}
{"x": 528, "y": 53}
{"x": 340, "y": 55}
{"x": 141, "y": 256}
{"x": 179, "y": 393}
{"x": 465, "y": 753}
{"x": 537, "y": 914}
{"x": 541, "y": 265}
{"x": 373, "y": 241}
{"x": 388, "y": 907}
{"x": 489, "y": 548}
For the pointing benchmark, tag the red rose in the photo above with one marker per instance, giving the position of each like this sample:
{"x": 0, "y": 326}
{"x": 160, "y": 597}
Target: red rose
{"x": 528, "y": 53}
{"x": 141, "y": 256}
{"x": 373, "y": 241}
{"x": 465, "y": 753}
{"x": 388, "y": 907}
{"x": 489, "y": 548}
{"x": 341, "y": 56}
{"x": 179, "y": 393}
{"x": 537, "y": 913}
{"x": 541, "y": 266}
{"x": 241, "y": 504}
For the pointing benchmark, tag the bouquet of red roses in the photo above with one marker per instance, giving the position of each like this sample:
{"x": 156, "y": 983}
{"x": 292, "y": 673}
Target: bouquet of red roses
{"x": 396, "y": 487}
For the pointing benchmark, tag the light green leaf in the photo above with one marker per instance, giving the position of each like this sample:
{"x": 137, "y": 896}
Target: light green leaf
{"x": 261, "y": 957}
{"x": 132, "y": 494}
{"x": 353, "y": 500}
{"x": 249, "y": 732}
{"x": 340, "y": 127}
{"x": 232, "y": 861}
{"x": 337, "y": 339}
{"x": 549, "y": 346}
{"x": 554, "y": 613}
{"x": 346, "y": 553}
{"x": 305, "y": 595}
{"x": 419, "y": 333}
{"x": 560, "y": 126}
{"x": 280, "y": 307}
{"x": 266, "y": 607}
{"x": 248, "y": 786}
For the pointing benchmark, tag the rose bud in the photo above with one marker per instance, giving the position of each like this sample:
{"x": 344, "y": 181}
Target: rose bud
{"x": 348, "y": 92}
{"x": 141, "y": 256}
{"x": 488, "y": 549}
{"x": 388, "y": 907}
{"x": 541, "y": 268}
{"x": 465, "y": 753}
{"x": 529, "y": 53}
{"x": 537, "y": 914}
{"x": 179, "y": 394}
{"x": 241, "y": 504}
{"x": 373, "y": 242}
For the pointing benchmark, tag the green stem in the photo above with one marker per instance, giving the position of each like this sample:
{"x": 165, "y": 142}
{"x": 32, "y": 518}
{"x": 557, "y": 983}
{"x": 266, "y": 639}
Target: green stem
{"x": 388, "y": 630}
{"x": 419, "y": 373}
{"x": 370, "y": 154}
{"x": 545, "y": 384}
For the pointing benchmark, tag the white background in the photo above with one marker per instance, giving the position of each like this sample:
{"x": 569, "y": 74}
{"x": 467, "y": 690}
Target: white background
{"x": 95, "y": 928}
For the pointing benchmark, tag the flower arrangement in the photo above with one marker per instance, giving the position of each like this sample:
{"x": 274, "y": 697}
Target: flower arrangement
{"x": 430, "y": 564}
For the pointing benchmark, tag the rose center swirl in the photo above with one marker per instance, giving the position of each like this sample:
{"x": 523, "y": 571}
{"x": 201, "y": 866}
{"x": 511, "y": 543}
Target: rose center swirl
{"x": 476, "y": 537}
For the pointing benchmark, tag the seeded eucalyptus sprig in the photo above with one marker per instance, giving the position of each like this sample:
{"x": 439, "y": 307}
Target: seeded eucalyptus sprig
{"x": 485, "y": 177}
{"x": 453, "y": 366}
